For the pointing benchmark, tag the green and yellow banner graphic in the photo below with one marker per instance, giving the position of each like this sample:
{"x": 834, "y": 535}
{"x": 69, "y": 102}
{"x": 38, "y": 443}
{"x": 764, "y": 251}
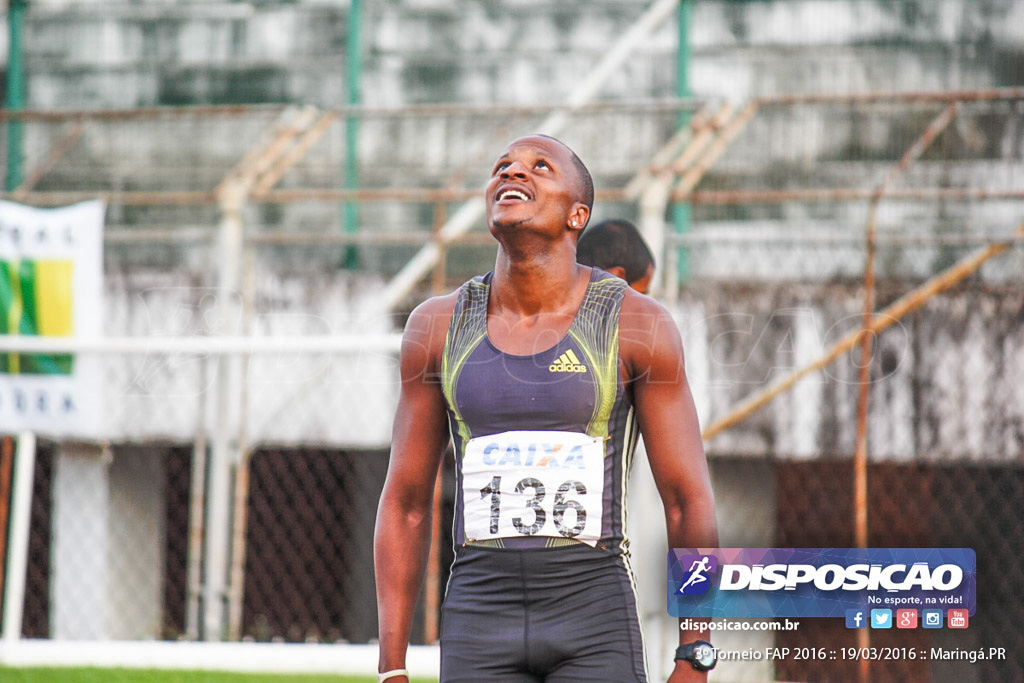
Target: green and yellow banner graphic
{"x": 51, "y": 277}
{"x": 36, "y": 299}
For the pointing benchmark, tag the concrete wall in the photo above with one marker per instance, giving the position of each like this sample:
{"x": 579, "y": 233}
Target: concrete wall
{"x": 101, "y": 54}
{"x": 344, "y": 399}
{"x": 945, "y": 380}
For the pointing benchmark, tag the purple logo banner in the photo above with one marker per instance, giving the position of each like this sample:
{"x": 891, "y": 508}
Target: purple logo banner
{"x": 817, "y": 582}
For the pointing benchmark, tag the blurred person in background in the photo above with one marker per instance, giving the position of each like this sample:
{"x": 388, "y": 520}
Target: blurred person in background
{"x": 616, "y": 246}
{"x": 542, "y": 372}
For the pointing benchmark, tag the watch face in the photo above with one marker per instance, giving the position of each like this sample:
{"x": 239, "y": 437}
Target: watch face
{"x": 704, "y": 654}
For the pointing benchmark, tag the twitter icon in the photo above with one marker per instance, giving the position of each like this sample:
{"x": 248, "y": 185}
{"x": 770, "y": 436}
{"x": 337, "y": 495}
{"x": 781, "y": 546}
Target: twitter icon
{"x": 881, "y": 618}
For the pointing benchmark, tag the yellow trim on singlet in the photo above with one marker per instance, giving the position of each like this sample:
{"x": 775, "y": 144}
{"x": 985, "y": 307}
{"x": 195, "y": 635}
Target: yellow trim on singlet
{"x": 596, "y": 332}
{"x": 463, "y": 336}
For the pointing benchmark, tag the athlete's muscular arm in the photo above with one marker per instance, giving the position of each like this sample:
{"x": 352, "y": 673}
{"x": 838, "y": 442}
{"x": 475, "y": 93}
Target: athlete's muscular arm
{"x": 652, "y": 351}
{"x": 419, "y": 439}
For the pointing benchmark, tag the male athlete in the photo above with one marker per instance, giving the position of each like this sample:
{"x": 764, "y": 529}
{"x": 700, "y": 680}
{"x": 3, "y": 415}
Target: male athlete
{"x": 540, "y": 372}
{"x": 615, "y": 245}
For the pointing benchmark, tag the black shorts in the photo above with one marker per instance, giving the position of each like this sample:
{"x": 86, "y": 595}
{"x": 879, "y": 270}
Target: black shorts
{"x": 541, "y": 615}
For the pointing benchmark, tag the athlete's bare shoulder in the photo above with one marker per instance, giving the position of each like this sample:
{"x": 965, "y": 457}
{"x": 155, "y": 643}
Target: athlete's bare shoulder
{"x": 648, "y": 336}
{"x": 435, "y": 307}
{"x": 427, "y": 326}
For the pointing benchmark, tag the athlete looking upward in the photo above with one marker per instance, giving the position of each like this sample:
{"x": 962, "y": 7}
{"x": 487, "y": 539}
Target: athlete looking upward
{"x": 540, "y": 372}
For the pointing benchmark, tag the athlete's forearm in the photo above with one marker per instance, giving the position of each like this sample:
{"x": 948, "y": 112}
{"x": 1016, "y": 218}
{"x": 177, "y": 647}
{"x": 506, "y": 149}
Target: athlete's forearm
{"x": 692, "y": 524}
{"x": 402, "y": 532}
{"x": 401, "y": 543}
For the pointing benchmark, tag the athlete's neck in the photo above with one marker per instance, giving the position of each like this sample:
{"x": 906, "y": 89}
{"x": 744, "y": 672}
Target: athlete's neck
{"x": 541, "y": 284}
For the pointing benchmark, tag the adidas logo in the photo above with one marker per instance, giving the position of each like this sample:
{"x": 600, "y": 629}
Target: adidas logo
{"x": 567, "y": 362}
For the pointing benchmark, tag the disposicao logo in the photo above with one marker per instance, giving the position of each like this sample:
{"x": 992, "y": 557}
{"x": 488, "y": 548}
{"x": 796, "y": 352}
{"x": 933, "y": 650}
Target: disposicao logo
{"x": 697, "y": 580}
{"x": 783, "y": 582}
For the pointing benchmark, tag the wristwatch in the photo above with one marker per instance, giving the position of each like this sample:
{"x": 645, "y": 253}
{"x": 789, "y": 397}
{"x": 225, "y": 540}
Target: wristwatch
{"x": 700, "y": 654}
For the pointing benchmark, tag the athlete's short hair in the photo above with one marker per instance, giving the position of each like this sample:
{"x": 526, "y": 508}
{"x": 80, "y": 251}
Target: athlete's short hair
{"x": 586, "y": 187}
{"x": 615, "y": 243}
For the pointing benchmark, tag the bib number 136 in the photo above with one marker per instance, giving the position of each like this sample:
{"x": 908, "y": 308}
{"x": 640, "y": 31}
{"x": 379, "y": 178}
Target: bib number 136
{"x": 529, "y": 524}
{"x": 533, "y": 484}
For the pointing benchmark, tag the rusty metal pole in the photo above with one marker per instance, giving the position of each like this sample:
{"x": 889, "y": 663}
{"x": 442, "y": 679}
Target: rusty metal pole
{"x": 860, "y": 458}
{"x": 906, "y": 304}
{"x": 196, "y": 519}
{"x": 867, "y": 336}
{"x": 59, "y": 149}
{"x": 240, "y": 494}
{"x": 6, "y": 482}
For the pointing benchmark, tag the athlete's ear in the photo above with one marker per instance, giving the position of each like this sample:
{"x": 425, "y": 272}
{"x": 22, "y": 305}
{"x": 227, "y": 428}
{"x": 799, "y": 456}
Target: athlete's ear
{"x": 617, "y": 271}
{"x": 578, "y": 217}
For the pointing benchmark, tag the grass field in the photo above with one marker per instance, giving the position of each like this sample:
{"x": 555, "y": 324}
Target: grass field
{"x": 90, "y": 675}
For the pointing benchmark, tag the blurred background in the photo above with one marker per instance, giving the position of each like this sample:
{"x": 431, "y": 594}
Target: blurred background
{"x": 282, "y": 181}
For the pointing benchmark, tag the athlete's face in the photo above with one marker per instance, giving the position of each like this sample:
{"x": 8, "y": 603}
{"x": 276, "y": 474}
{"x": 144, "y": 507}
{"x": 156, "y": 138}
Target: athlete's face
{"x": 535, "y": 184}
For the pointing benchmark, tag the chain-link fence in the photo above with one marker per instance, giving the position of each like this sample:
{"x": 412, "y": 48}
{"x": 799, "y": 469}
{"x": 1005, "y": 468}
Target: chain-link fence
{"x": 310, "y": 529}
{"x": 762, "y": 262}
{"x": 920, "y": 505}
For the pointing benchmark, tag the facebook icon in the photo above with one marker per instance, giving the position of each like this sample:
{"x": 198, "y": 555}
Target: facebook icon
{"x": 855, "y": 618}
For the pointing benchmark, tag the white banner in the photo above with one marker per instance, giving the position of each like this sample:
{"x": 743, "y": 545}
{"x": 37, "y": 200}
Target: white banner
{"x": 51, "y": 283}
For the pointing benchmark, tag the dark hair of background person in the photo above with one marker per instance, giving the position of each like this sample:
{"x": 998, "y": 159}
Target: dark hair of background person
{"x": 615, "y": 243}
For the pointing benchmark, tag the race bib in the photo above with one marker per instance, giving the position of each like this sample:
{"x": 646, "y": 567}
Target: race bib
{"x": 534, "y": 484}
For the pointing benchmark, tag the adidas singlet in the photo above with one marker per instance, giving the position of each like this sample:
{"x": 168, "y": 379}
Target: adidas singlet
{"x": 543, "y": 442}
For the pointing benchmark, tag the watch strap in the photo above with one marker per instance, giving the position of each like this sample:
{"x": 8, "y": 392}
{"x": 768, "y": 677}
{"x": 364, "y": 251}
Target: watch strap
{"x": 688, "y": 652}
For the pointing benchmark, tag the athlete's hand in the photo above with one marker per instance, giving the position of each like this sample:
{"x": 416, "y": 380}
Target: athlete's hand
{"x": 685, "y": 673}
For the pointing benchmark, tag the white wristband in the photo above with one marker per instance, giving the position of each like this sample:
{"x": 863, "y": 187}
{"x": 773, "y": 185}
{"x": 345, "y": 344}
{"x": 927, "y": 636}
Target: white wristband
{"x": 392, "y": 674}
